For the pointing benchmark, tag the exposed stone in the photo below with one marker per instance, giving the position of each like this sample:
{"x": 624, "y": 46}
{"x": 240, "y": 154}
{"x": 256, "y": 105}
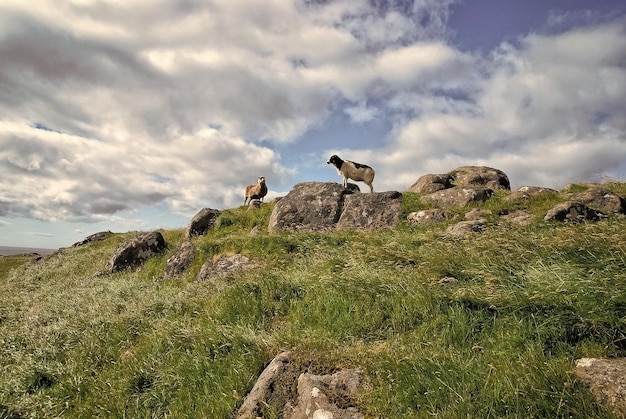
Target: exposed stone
{"x": 94, "y": 238}
{"x": 572, "y": 212}
{"x": 372, "y": 211}
{"x": 477, "y": 176}
{"x": 223, "y": 266}
{"x": 427, "y": 216}
{"x": 519, "y": 217}
{"x": 202, "y": 222}
{"x": 458, "y": 196}
{"x": 262, "y": 390}
{"x": 180, "y": 261}
{"x": 602, "y": 200}
{"x": 254, "y": 204}
{"x": 466, "y": 227}
{"x": 309, "y": 206}
{"x": 430, "y": 183}
{"x": 606, "y": 379}
{"x": 477, "y": 213}
{"x": 526, "y": 192}
{"x": 136, "y": 251}
{"x": 326, "y": 396}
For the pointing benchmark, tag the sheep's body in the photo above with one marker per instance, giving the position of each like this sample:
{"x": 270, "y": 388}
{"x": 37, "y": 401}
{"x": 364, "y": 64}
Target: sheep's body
{"x": 355, "y": 171}
{"x": 257, "y": 191}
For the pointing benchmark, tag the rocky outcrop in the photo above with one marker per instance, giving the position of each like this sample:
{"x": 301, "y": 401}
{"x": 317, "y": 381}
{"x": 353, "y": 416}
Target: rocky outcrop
{"x": 601, "y": 199}
{"x": 526, "y": 192}
{"x": 430, "y": 183}
{"x": 223, "y": 266}
{"x": 572, "y": 212}
{"x": 180, "y": 261}
{"x": 136, "y": 251}
{"x": 372, "y": 211}
{"x": 606, "y": 379}
{"x": 317, "y": 206}
{"x": 326, "y": 396}
{"x": 103, "y": 235}
{"x": 466, "y": 227}
{"x": 317, "y": 396}
{"x": 477, "y": 176}
{"x": 458, "y": 196}
{"x": 519, "y": 217}
{"x": 202, "y": 222}
{"x": 424, "y": 217}
{"x": 309, "y": 206}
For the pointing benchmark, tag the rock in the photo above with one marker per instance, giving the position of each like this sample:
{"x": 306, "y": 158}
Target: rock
{"x": 262, "y": 390}
{"x": 372, "y": 211}
{"x": 480, "y": 176}
{"x": 136, "y": 251}
{"x": 427, "y": 216}
{"x": 202, "y": 222}
{"x": 180, "y": 261}
{"x": 602, "y": 200}
{"x": 572, "y": 212}
{"x": 526, "y": 192}
{"x": 606, "y": 379}
{"x": 309, "y": 206}
{"x": 254, "y": 204}
{"x": 477, "y": 214}
{"x": 458, "y": 196}
{"x": 326, "y": 396}
{"x": 466, "y": 227}
{"x": 94, "y": 238}
{"x": 519, "y": 217}
{"x": 428, "y": 184}
{"x": 223, "y": 266}
{"x": 317, "y": 396}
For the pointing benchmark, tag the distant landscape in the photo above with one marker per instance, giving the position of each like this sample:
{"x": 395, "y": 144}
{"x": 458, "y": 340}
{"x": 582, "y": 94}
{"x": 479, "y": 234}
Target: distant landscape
{"x": 9, "y": 250}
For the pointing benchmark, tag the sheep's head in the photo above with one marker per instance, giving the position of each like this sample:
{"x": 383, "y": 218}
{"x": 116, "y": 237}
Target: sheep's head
{"x": 261, "y": 179}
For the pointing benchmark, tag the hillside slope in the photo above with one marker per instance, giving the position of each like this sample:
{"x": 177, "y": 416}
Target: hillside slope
{"x": 484, "y": 325}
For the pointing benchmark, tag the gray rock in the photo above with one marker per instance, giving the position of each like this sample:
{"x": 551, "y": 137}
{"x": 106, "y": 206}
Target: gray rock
{"x": 136, "y": 251}
{"x": 180, "y": 261}
{"x": 526, "y": 192}
{"x": 602, "y": 200}
{"x": 606, "y": 379}
{"x": 429, "y": 216}
{"x": 572, "y": 212}
{"x": 324, "y": 396}
{"x": 372, "y": 211}
{"x": 466, "y": 227}
{"x": 477, "y": 176}
{"x": 223, "y": 266}
{"x": 430, "y": 183}
{"x": 477, "y": 214}
{"x": 309, "y": 206}
{"x": 202, "y": 222}
{"x": 519, "y": 217}
{"x": 458, "y": 196}
{"x": 103, "y": 235}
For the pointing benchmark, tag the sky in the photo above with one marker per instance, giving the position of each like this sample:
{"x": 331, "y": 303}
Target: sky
{"x": 133, "y": 116}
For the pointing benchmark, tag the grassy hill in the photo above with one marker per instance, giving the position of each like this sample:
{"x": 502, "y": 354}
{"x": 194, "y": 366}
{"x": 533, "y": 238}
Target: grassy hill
{"x": 483, "y": 326}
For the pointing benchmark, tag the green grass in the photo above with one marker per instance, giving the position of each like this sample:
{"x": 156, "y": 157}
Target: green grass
{"x": 500, "y": 341}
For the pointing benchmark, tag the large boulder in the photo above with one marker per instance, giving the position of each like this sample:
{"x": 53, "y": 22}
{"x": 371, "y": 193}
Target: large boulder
{"x": 372, "y": 211}
{"x": 309, "y": 206}
{"x": 601, "y": 199}
{"x": 477, "y": 176}
{"x": 202, "y": 222}
{"x": 180, "y": 261}
{"x": 430, "y": 183}
{"x": 606, "y": 379}
{"x": 136, "y": 251}
{"x": 458, "y": 196}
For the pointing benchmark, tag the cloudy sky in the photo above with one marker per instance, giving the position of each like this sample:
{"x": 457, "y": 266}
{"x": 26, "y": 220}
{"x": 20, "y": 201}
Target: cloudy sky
{"x": 118, "y": 115}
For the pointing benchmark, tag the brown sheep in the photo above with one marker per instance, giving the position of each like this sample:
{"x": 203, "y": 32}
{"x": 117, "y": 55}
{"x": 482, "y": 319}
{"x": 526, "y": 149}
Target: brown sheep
{"x": 351, "y": 170}
{"x": 257, "y": 191}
